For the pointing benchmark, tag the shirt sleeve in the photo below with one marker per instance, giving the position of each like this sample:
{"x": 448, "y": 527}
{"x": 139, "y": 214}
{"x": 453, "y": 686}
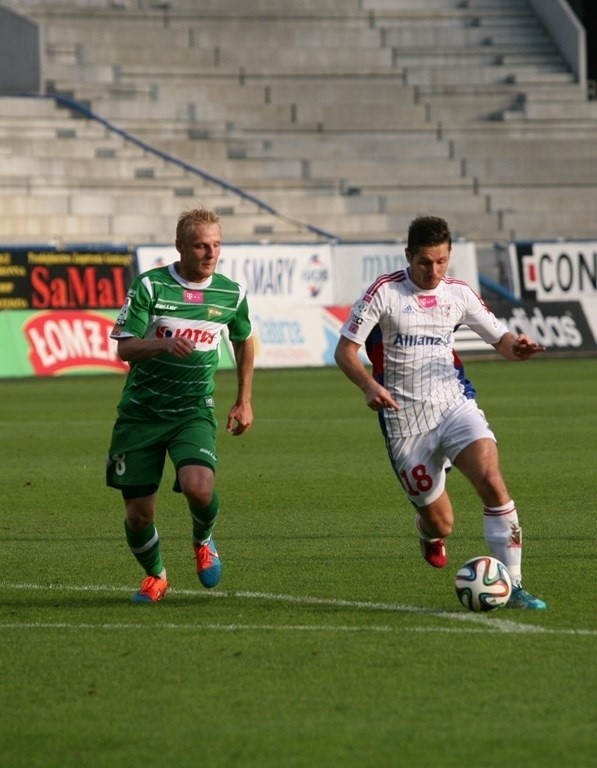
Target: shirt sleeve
{"x": 364, "y": 316}
{"x": 481, "y": 320}
{"x": 133, "y": 318}
{"x": 240, "y": 328}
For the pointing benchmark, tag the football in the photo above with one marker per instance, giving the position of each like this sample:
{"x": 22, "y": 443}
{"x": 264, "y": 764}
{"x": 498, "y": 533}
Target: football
{"x": 483, "y": 584}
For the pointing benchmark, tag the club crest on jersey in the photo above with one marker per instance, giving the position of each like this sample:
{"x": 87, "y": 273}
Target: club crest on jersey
{"x": 193, "y": 297}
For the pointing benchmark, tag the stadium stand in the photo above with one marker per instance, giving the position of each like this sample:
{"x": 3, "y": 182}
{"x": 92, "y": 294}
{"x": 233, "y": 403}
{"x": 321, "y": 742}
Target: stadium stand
{"x": 297, "y": 119}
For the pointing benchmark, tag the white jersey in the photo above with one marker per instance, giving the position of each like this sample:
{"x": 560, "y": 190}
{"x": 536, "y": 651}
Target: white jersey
{"x": 409, "y": 337}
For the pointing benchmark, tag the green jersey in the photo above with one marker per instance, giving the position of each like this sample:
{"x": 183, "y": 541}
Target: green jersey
{"x": 159, "y": 304}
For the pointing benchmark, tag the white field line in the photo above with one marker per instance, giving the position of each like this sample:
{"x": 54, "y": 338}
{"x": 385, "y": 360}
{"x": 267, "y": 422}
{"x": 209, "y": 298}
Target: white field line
{"x": 485, "y": 623}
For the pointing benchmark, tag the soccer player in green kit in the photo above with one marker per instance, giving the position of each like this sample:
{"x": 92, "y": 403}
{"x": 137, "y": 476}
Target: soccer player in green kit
{"x": 169, "y": 331}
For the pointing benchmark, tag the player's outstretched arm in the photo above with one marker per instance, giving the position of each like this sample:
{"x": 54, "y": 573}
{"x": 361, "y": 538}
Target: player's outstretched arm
{"x": 517, "y": 348}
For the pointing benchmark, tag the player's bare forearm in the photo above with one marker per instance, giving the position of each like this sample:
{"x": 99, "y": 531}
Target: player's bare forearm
{"x": 244, "y": 355}
{"x": 517, "y": 348}
{"x": 133, "y": 349}
{"x": 240, "y": 416}
{"x": 347, "y": 359}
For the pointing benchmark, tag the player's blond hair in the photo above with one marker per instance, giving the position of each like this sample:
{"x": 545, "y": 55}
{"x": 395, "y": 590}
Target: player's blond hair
{"x": 194, "y": 217}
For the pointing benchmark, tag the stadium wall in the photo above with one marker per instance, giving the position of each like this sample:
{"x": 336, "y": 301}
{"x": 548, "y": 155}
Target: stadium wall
{"x": 57, "y": 307}
{"x": 20, "y": 61}
{"x": 567, "y": 32}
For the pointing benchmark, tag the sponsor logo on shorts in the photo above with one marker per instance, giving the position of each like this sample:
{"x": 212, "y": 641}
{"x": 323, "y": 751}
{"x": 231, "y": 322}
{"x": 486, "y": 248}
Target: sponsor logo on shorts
{"x": 211, "y": 455}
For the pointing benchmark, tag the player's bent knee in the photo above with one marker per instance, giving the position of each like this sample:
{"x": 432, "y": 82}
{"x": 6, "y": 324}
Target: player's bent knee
{"x": 490, "y": 485}
{"x": 198, "y": 490}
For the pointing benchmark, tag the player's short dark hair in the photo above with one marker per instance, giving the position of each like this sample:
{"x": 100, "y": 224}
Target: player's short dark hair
{"x": 427, "y": 231}
{"x": 194, "y": 217}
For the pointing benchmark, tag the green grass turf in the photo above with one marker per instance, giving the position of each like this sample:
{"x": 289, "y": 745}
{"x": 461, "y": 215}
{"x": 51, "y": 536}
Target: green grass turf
{"x": 329, "y": 641}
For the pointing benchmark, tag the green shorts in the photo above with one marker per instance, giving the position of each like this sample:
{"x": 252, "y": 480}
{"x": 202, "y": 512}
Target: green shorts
{"x": 138, "y": 450}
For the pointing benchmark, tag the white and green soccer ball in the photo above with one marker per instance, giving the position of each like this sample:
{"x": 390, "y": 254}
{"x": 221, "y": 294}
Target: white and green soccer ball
{"x": 483, "y": 584}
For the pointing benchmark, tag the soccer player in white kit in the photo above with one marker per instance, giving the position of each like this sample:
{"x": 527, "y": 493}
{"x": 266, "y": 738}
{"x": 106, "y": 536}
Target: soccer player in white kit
{"x": 407, "y": 320}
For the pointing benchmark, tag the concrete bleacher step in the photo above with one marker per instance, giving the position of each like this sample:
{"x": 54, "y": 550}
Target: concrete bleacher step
{"x": 541, "y": 91}
{"x": 499, "y": 147}
{"x": 113, "y": 201}
{"x": 398, "y": 170}
{"x": 491, "y": 21}
{"x": 218, "y": 96}
{"x": 560, "y": 129}
{"x": 482, "y": 57}
{"x": 417, "y": 35}
{"x": 420, "y": 76}
{"x": 135, "y": 32}
{"x": 534, "y": 168}
{"x": 459, "y": 109}
{"x": 523, "y": 225}
{"x": 271, "y": 7}
{"x": 139, "y": 228}
{"x": 15, "y": 107}
{"x": 536, "y": 108}
{"x": 72, "y": 148}
{"x": 389, "y": 201}
{"x": 266, "y": 57}
{"x": 401, "y": 6}
{"x": 84, "y": 167}
{"x": 578, "y": 198}
{"x": 120, "y": 8}
{"x": 391, "y": 146}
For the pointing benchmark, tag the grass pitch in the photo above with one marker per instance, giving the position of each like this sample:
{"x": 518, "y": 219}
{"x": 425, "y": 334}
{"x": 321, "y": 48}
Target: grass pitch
{"x": 329, "y": 642}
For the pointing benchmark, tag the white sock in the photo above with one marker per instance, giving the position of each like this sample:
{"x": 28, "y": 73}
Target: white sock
{"x": 504, "y": 537}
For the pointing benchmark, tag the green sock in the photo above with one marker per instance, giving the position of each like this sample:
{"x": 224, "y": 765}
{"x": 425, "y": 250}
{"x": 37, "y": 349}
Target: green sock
{"x": 204, "y": 519}
{"x": 145, "y": 546}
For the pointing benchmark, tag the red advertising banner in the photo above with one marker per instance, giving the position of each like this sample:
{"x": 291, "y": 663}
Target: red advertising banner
{"x": 71, "y": 279}
{"x": 55, "y": 343}
{"x": 61, "y": 342}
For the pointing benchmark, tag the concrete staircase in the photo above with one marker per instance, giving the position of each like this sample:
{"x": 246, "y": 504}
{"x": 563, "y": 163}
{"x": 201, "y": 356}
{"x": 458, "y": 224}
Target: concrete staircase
{"x": 352, "y": 116}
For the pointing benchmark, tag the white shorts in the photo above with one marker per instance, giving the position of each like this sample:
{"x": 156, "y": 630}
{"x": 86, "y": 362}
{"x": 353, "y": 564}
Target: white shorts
{"x": 419, "y": 460}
